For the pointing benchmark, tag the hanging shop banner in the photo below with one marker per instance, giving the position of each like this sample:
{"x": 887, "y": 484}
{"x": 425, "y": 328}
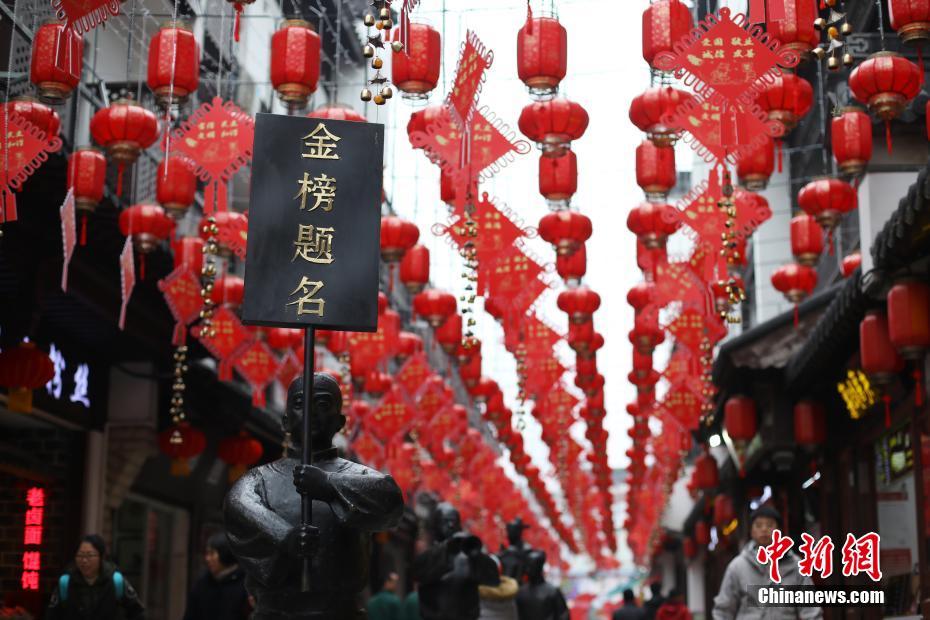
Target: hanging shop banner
{"x": 314, "y": 224}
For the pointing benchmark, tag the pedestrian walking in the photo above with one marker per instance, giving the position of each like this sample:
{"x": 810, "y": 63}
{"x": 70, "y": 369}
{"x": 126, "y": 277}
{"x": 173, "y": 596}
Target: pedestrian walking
{"x": 651, "y": 607}
{"x": 219, "y": 594}
{"x": 386, "y": 605}
{"x": 630, "y": 610}
{"x": 744, "y": 571}
{"x": 93, "y": 589}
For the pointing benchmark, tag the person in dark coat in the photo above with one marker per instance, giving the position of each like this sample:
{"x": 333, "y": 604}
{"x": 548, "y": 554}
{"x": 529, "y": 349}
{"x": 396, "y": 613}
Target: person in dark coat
{"x": 630, "y": 610}
{"x": 673, "y": 608}
{"x": 651, "y": 606}
{"x": 219, "y": 594}
{"x": 93, "y": 589}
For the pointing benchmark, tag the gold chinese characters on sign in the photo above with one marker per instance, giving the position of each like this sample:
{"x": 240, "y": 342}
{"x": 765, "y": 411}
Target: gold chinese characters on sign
{"x": 313, "y": 243}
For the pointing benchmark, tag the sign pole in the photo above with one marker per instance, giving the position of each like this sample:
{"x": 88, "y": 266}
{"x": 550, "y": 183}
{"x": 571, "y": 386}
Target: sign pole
{"x": 306, "y": 503}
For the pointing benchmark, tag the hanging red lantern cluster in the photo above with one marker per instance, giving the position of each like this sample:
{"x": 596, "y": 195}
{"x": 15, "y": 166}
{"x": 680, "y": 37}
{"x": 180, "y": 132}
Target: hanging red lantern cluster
{"x": 655, "y": 170}
{"x": 542, "y": 53}
{"x": 174, "y": 64}
{"x": 415, "y": 69}
{"x": 553, "y": 124}
{"x": 57, "y": 61}
{"x": 295, "y": 62}
{"x": 124, "y": 129}
{"x": 664, "y": 23}
{"x": 650, "y": 110}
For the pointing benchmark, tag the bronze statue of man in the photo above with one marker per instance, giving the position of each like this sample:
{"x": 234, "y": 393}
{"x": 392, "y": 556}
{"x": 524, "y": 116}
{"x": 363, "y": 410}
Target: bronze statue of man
{"x": 513, "y": 557}
{"x": 350, "y": 501}
{"x": 538, "y": 600}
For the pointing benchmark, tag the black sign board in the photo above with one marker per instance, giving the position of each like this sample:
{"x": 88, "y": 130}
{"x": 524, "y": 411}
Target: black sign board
{"x": 314, "y": 224}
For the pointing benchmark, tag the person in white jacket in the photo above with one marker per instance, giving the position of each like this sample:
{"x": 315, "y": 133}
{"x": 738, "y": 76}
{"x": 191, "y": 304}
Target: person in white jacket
{"x": 733, "y": 601}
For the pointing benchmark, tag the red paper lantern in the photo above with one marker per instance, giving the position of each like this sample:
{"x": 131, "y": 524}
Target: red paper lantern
{"x": 664, "y": 23}
{"x": 414, "y": 269}
{"x": 851, "y": 137}
{"x": 571, "y": 267}
{"x": 435, "y": 306}
{"x": 24, "y": 368}
{"x": 175, "y": 186}
{"x": 910, "y": 19}
{"x": 174, "y": 64}
{"x": 228, "y": 291}
{"x": 377, "y": 383}
{"x": 148, "y": 225}
{"x": 284, "y": 338}
{"x": 756, "y": 165}
{"x": 421, "y": 119}
{"x": 887, "y": 82}
{"x": 470, "y": 371}
{"x": 579, "y": 303}
{"x": 787, "y": 99}
{"x": 640, "y": 295}
{"x": 124, "y": 129}
{"x": 57, "y": 60}
{"x": 565, "y": 230}
{"x": 449, "y": 333}
{"x": 542, "y": 55}
{"x": 650, "y": 110}
{"x": 850, "y": 264}
{"x": 295, "y": 62}
{"x": 397, "y": 236}
{"x": 337, "y": 112}
{"x": 909, "y": 318}
{"x": 188, "y": 252}
{"x": 706, "y": 474}
{"x": 415, "y": 70}
{"x": 553, "y": 124}
{"x": 408, "y": 344}
{"x": 646, "y": 337}
{"x": 655, "y": 170}
{"x": 652, "y": 223}
{"x": 181, "y": 442}
{"x": 794, "y": 281}
{"x": 878, "y": 356}
{"x": 810, "y": 423}
{"x": 795, "y": 30}
{"x": 239, "y": 452}
{"x": 806, "y": 239}
{"x": 558, "y": 178}
{"x": 827, "y": 200}
{"x": 724, "y": 512}
{"x": 87, "y": 175}
{"x": 739, "y": 418}
{"x": 38, "y": 114}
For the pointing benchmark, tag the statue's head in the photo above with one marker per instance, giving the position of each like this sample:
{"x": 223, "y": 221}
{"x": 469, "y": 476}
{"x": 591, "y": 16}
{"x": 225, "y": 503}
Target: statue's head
{"x": 515, "y": 531}
{"x": 535, "y": 562}
{"x": 326, "y": 411}
{"x": 445, "y": 522}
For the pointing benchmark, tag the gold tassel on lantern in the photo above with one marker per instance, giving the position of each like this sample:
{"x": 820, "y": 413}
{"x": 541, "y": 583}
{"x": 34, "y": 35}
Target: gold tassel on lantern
{"x": 20, "y": 400}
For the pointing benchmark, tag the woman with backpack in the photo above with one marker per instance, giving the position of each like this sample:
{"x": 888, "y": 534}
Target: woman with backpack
{"x": 93, "y": 589}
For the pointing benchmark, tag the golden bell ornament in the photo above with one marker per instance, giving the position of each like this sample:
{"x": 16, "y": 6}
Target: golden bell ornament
{"x": 387, "y": 92}
{"x": 379, "y": 25}
{"x": 846, "y": 29}
{"x": 368, "y": 51}
{"x": 384, "y": 13}
{"x": 833, "y": 32}
{"x": 366, "y": 94}
{"x": 833, "y": 63}
{"x": 388, "y": 24}
{"x": 820, "y": 23}
{"x": 369, "y": 20}
{"x": 831, "y": 3}
{"x": 397, "y": 46}
{"x": 819, "y": 53}
{"x": 379, "y": 100}
{"x": 376, "y": 63}
{"x": 848, "y": 59}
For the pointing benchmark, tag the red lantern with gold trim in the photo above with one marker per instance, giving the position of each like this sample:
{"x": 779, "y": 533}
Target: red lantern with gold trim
{"x": 449, "y": 333}
{"x": 652, "y": 223}
{"x": 397, "y": 236}
{"x": 558, "y": 178}
{"x": 655, "y": 170}
{"x": 408, "y": 344}
{"x": 787, "y": 99}
{"x": 850, "y": 263}
{"x": 810, "y": 423}
{"x": 553, "y": 124}
{"x": 795, "y": 30}
{"x": 542, "y": 55}
{"x": 148, "y": 225}
{"x": 909, "y": 326}
{"x": 579, "y": 303}
{"x": 337, "y": 112}
{"x": 57, "y": 60}
{"x": 756, "y": 165}
{"x": 175, "y": 186}
{"x": 174, "y": 64}
{"x": 181, "y": 442}
{"x": 38, "y": 114}
{"x": 640, "y": 295}
{"x": 739, "y": 418}
{"x": 295, "y": 62}
{"x": 910, "y": 19}
{"x": 124, "y": 129}
{"x": 435, "y": 306}
{"x": 188, "y": 253}
{"x": 794, "y": 281}
{"x": 228, "y": 291}
{"x": 87, "y": 175}
{"x": 706, "y": 474}
{"x": 565, "y": 230}
{"x": 239, "y": 452}
{"x": 806, "y": 239}
{"x": 572, "y": 267}
{"x": 878, "y": 356}
{"x": 827, "y": 200}
{"x": 415, "y": 70}
{"x": 649, "y": 111}
{"x": 887, "y": 82}
{"x": 851, "y": 138}
{"x": 414, "y": 269}
{"x": 664, "y": 23}
{"x": 24, "y": 368}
